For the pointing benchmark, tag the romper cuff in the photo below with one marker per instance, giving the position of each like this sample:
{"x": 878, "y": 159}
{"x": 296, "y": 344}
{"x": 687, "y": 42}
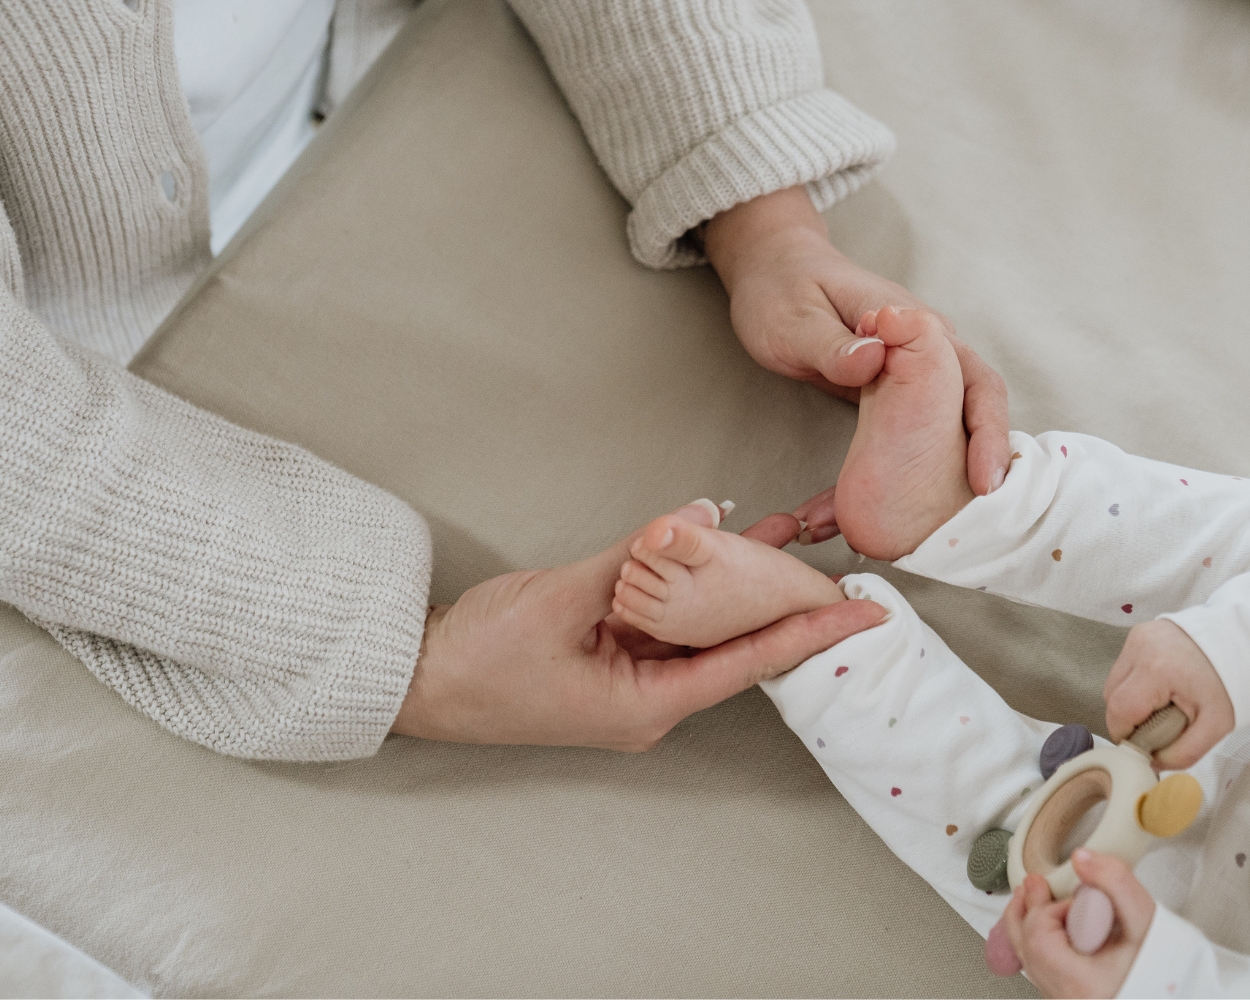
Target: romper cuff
{"x": 1221, "y": 628}
{"x": 1175, "y": 960}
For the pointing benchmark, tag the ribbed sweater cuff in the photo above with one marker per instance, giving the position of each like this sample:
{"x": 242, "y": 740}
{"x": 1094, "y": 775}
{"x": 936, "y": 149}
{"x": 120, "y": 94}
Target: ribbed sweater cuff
{"x": 338, "y": 705}
{"x": 819, "y": 139}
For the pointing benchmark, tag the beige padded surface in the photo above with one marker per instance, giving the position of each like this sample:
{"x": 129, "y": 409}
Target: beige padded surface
{"x": 441, "y": 301}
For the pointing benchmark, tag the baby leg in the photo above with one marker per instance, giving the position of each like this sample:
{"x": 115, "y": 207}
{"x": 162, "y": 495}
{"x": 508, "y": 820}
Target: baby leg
{"x": 922, "y": 748}
{"x": 1078, "y": 525}
{"x": 1083, "y": 527}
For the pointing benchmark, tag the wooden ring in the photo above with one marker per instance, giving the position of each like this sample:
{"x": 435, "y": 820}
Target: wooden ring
{"x": 1121, "y": 775}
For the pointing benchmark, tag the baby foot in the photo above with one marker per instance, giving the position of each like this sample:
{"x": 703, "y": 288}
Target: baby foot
{"x": 906, "y": 474}
{"x": 696, "y": 586}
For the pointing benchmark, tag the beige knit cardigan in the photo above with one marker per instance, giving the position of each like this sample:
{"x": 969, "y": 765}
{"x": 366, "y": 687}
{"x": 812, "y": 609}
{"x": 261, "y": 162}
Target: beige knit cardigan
{"x": 237, "y": 589}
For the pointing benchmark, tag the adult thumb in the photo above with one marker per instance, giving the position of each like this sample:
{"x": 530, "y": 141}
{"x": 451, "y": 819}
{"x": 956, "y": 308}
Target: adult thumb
{"x": 821, "y": 343}
{"x": 721, "y": 672}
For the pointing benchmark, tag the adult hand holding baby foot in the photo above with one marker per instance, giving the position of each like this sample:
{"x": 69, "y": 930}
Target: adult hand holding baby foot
{"x": 1036, "y": 927}
{"x": 904, "y": 474}
{"x": 538, "y": 658}
{"x": 796, "y": 303}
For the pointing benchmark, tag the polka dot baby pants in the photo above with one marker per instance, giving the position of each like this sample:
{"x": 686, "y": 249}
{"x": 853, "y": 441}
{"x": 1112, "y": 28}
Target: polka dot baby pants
{"x": 925, "y": 750}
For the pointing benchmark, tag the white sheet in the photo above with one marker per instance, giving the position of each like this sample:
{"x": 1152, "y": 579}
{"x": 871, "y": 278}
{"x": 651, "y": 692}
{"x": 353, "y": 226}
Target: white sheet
{"x": 34, "y": 962}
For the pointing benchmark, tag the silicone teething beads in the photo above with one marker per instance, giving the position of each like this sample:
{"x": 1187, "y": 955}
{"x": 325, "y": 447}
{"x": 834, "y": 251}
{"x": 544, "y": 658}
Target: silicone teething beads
{"x": 1000, "y": 956}
{"x": 987, "y": 864}
{"x": 1089, "y": 919}
{"x": 1062, "y": 745}
{"x": 1170, "y": 806}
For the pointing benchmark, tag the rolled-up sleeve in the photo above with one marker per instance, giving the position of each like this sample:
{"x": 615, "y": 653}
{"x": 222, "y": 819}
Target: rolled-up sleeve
{"x": 237, "y": 589}
{"x": 695, "y": 106}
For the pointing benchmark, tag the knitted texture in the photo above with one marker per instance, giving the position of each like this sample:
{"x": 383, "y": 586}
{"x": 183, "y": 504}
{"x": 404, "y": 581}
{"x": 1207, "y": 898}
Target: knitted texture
{"x": 238, "y": 590}
{"x": 695, "y": 106}
{"x": 91, "y": 118}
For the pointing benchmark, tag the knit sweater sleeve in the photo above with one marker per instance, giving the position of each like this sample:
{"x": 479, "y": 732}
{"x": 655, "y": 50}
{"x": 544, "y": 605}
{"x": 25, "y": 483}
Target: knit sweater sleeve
{"x": 238, "y": 590}
{"x": 695, "y": 106}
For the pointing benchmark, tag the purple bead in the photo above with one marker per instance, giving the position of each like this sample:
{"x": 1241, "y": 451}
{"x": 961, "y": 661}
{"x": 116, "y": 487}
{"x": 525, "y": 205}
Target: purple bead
{"x": 1062, "y": 745}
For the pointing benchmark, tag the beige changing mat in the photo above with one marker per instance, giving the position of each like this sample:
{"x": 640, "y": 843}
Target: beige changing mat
{"x": 441, "y": 300}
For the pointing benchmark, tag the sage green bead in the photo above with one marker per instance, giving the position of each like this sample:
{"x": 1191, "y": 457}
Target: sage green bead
{"x": 987, "y": 864}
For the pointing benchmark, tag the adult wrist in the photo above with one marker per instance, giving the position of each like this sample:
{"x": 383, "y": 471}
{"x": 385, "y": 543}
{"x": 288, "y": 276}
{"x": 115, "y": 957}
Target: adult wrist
{"x": 735, "y": 236}
{"x": 411, "y": 719}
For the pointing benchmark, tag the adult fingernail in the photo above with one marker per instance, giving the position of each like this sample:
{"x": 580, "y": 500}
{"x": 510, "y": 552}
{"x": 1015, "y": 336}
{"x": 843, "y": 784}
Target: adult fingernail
{"x": 854, "y": 345}
{"x": 726, "y": 508}
{"x": 1081, "y": 855}
{"x": 705, "y": 504}
{"x": 814, "y": 536}
{"x": 667, "y": 540}
{"x": 996, "y": 480}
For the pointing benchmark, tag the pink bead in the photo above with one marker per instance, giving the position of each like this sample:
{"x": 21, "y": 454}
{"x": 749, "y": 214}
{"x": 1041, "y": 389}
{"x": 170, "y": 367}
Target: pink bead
{"x": 999, "y": 955}
{"x": 1089, "y": 919}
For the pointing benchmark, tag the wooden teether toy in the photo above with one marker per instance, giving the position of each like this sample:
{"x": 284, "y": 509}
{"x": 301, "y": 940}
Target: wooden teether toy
{"x": 1139, "y": 808}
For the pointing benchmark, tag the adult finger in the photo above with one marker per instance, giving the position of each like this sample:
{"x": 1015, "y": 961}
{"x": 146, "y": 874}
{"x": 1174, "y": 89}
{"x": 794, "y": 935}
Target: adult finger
{"x": 701, "y": 512}
{"x": 820, "y": 514}
{"x": 639, "y": 644}
{"x": 1134, "y": 906}
{"x": 819, "y": 342}
{"x": 986, "y": 419}
{"x": 718, "y": 673}
{"x": 777, "y": 530}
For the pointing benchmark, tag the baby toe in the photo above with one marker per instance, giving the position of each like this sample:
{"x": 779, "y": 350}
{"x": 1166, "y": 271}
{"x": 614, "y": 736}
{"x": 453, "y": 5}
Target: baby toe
{"x": 676, "y": 540}
{"x": 645, "y": 579}
{"x": 635, "y": 606}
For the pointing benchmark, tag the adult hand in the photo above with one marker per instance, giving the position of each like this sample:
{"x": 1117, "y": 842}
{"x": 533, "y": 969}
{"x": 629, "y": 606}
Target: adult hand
{"x": 1035, "y": 925}
{"x": 535, "y": 658}
{"x": 796, "y": 303}
{"x": 1159, "y": 664}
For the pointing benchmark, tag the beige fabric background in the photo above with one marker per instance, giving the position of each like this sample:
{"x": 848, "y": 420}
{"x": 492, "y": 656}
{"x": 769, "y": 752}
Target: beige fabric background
{"x": 441, "y": 300}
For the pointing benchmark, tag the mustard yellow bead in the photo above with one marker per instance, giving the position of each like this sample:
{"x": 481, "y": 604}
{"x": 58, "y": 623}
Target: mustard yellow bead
{"x": 1170, "y": 806}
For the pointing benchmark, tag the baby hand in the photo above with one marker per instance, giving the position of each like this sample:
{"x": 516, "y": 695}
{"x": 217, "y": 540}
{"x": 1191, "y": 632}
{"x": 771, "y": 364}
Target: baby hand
{"x": 1035, "y": 925}
{"x": 1160, "y": 663}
